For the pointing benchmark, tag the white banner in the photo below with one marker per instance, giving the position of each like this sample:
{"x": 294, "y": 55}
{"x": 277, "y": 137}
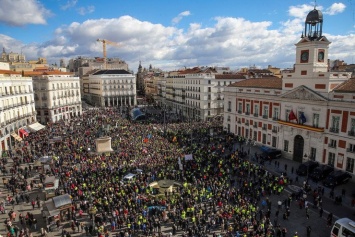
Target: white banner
{"x": 188, "y": 157}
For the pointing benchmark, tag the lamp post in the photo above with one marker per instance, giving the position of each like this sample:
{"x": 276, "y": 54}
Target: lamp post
{"x": 305, "y": 156}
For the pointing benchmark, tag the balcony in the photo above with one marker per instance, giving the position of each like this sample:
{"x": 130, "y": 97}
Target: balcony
{"x": 246, "y": 123}
{"x": 264, "y": 128}
{"x": 351, "y": 150}
{"x": 239, "y": 122}
{"x": 256, "y": 115}
{"x": 302, "y": 126}
{"x": 265, "y": 116}
{"x": 275, "y": 118}
{"x": 255, "y": 126}
{"x": 332, "y": 145}
{"x": 247, "y": 113}
{"x": 229, "y": 110}
{"x": 334, "y": 130}
{"x": 228, "y": 119}
{"x": 44, "y": 98}
{"x": 239, "y": 111}
{"x": 274, "y": 130}
{"x": 351, "y": 133}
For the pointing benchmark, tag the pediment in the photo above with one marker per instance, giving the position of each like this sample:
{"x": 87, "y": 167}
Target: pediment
{"x": 303, "y": 93}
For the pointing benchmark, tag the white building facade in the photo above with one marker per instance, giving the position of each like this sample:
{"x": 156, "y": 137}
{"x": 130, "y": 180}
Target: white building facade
{"x": 309, "y": 114}
{"x": 105, "y": 88}
{"x": 16, "y": 105}
{"x": 57, "y": 96}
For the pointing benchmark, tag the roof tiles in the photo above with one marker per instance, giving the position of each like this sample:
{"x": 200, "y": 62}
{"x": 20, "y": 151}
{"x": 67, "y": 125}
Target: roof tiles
{"x": 266, "y": 82}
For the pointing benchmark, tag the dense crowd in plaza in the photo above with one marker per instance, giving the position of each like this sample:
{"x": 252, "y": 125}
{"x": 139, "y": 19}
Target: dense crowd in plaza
{"x": 221, "y": 193}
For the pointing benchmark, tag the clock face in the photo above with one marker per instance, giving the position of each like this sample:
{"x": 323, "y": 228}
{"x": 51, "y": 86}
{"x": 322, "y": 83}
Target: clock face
{"x": 320, "y": 56}
{"x": 304, "y": 56}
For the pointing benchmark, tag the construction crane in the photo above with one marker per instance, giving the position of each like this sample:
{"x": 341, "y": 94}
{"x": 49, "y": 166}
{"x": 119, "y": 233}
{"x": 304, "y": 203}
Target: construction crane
{"x": 104, "y": 42}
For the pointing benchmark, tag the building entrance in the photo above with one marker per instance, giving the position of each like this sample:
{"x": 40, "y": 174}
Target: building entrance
{"x": 298, "y": 147}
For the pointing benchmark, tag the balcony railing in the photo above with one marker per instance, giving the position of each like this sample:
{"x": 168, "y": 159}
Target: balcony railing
{"x": 351, "y": 133}
{"x": 239, "y": 111}
{"x": 275, "y": 118}
{"x": 229, "y": 110}
{"x": 264, "y": 128}
{"x": 256, "y": 115}
{"x": 255, "y": 126}
{"x": 302, "y": 126}
{"x": 334, "y": 130}
{"x": 265, "y": 116}
{"x": 350, "y": 150}
{"x": 247, "y": 113}
{"x": 239, "y": 122}
{"x": 246, "y": 123}
{"x": 332, "y": 145}
{"x": 274, "y": 130}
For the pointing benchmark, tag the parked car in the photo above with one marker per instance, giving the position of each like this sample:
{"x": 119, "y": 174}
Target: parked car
{"x": 336, "y": 178}
{"x": 306, "y": 168}
{"x": 321, "y": 172}
{"x": 271, "y": 154}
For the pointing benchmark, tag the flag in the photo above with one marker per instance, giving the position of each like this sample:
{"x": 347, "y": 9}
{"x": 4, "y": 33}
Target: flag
{"x": 292, "y": 116}
{"x": 303, "y": 118}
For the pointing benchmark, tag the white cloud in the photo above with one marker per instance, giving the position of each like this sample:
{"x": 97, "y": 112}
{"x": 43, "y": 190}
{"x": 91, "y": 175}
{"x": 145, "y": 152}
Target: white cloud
{"x": 179, "y": 17}
{"x": 335, "y": 8}
{"x": 86, "y": 10}
{"x": 69, "y": 4}
{"x": 23, "y": 12}
{"x": 301, "y": 11}
{"x": 229, "y": 41}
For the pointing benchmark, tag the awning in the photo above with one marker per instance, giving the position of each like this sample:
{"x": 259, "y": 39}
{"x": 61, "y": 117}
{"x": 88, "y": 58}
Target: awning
{"x": 23, "y": 133}
{"x": 17, "y": 137}
{"x": 36, "y": 127}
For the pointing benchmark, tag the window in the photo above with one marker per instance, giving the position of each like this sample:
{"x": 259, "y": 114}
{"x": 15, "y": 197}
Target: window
{"x": 287, "y": 115}
{"x": 312, "y": 156}
{"x": 352, "y": 127}
{"x": 286, "y": 145}
{"x": 256, "y": 110}
{"x": 333, "y": 143}
{"x": 246, "y": 132}
{"x": 247, "y": 112}
{"x": 335, "y": 124}
{"x": 276, "y": 114}
{"x": 229, "y": 106}
{"x": 316, "y": 120}
{"x": 350, "y": 164}
{"x": 209, "y": 82}
{"x": 264, "y": 139}
{"x": 240, "y": 107}
{"x": 255, "y": 135}
{"x": 274, "y": 139}
{"x": 351, "y": 148}
{"x": 266, "y": 112}
{"x": 209, "y": 89}
{"x": 331, "y": 158}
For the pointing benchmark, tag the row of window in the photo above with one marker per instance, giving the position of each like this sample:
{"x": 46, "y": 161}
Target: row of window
{"x": 11, "y": 90}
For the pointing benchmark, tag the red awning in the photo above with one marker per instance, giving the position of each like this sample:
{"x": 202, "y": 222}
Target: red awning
{"x": 23, "y": 133}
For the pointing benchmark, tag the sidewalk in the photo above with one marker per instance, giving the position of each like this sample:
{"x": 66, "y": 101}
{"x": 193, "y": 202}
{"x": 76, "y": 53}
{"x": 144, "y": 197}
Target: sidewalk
{"x": 290, "y": 164}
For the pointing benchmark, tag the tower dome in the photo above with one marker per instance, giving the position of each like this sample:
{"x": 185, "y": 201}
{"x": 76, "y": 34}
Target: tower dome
{"x": 313, "y": 24}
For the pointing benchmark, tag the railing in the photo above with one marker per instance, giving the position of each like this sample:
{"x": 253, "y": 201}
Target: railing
{"x": 334, "y": 130}
{"x": 255, "y": 126}
{"x": 274, "y": 130}
{"x": 265, "y": 116}
{"x": 229, "y": 110}
{"x": 239, "y": 111}
{"x": 239, "y": 122}
{"x": 246, "y": 123}
{"x": 264, "y": 128}
{"x": 275, "y": 118}
{"x": 247, "y": 113}
{"x": 351, "y": 133}
{"x": 256, "y": 115}
{"x": 332, "y": 145}
{"x": 350, "y": 150}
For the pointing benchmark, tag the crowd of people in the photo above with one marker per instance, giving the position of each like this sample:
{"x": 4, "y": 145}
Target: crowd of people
{"x": 217, "y": 191}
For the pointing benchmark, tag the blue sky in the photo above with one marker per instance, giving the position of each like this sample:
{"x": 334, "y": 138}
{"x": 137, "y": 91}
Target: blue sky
{"x": 172, "y": 34}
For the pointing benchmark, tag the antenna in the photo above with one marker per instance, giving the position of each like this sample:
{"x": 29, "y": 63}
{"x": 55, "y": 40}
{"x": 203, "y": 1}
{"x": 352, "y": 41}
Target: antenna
{"x": 315, "y": 4}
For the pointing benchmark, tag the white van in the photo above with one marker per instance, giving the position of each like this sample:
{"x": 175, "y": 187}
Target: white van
{"x": 343, "y": 227}
{"x": 128, "y": 178}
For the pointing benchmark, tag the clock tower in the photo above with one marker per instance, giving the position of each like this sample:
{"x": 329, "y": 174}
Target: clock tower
{"x": 312, "y": 49}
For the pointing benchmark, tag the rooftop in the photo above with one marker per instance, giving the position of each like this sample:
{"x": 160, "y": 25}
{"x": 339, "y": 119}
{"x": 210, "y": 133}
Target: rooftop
{"x": 347, "y": 86}
{"x": 111, "y": 71}
{"x": 266, "y": 82}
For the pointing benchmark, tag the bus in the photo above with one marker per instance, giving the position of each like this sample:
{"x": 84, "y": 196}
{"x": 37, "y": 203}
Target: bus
{"x": 343, "y": 227}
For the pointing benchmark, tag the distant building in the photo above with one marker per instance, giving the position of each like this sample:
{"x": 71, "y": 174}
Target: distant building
{"x": 16, "y": 105}
{"x": 57, "y": 95}
{"x": 105, "y": 88}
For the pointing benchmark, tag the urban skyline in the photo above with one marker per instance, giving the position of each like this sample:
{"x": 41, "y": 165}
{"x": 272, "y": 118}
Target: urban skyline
{"x": 230, "y": 34}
